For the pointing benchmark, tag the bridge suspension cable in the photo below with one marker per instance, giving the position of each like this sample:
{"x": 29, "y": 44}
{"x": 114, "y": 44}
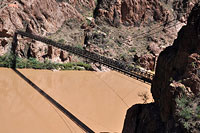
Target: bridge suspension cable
{"x": 113, "y": 64}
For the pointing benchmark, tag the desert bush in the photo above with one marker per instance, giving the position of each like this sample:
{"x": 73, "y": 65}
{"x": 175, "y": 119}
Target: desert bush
{"x": 61, "y": 41}
{"x": 9, "y": 60}
{"x": 188, "y": 111}
{"x": 132, "y": 49}
{"x": 144, "y": 96}
{"x": 79, "y": 46}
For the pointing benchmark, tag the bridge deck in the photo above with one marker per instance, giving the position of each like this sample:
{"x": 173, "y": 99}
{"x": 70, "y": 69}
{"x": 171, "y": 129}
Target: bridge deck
{"x": 113, "y": 64}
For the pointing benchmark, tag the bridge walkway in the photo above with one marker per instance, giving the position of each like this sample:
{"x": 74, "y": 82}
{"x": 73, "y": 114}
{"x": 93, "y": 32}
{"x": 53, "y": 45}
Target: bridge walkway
{"x": 113, "y": 64}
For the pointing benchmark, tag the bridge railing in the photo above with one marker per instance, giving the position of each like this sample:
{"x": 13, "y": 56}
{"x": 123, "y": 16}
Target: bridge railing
{"x": 116, "y": 65}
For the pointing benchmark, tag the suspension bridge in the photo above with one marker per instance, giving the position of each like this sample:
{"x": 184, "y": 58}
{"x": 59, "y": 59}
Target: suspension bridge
{"x": 118, "y": 66}
{"x": 121, "y": 67}
{"x": 113, "y": 64}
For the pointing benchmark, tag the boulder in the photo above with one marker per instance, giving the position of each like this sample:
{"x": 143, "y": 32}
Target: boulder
{"x": 147, "y": 61}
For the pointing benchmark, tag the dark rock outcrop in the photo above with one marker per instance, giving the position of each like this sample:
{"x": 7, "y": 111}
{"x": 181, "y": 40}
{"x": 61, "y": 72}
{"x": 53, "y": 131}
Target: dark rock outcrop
{"x": 143, "y": 118}
{"x": 176, "y": 85}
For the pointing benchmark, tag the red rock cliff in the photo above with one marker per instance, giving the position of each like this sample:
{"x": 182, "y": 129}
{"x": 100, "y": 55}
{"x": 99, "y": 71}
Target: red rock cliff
{"x": 132, "y": 12}
{"x": 37, "y": 16}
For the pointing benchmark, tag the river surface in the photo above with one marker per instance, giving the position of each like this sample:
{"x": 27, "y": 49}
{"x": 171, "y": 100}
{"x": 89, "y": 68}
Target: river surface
{"x": 98, "y": 99}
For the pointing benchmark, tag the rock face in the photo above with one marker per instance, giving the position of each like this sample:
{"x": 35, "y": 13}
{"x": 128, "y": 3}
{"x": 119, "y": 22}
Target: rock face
{"x": 127, "y": 15}
{"x": 4, "y": 47}
{"x": 147, "y": 61}
{"x": 140, "y": 12}
{"x": 147, "y": 120}
{"x": 176, "y": 85}
{"x": 83, "y": 3}
{"x": 132, "y": 12}
{"x": 180, "y": 61}
{"x": 136, "y": 27}
{"x": 109, "y": 11}
{"x": 49, "y": 17}
{"x": 37, "y": 16}
{"x": 183, "y": 8}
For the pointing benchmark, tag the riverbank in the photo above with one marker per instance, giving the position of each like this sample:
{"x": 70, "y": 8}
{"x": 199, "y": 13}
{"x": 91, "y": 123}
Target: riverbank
{"x": 10, "y": 61}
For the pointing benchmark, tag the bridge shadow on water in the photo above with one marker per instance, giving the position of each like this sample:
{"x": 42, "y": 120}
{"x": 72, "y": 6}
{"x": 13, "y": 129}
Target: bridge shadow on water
{"x": 44, "y": 94}
{"x": 54, "y": 102}
{"x": 113, "y": 64}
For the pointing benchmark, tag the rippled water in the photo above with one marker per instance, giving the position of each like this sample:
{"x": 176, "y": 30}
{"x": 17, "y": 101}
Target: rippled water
{"x": 98, "y": 99}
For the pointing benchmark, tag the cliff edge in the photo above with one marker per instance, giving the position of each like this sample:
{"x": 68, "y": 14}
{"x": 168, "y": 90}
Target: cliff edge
{"x": 175, "y": 88}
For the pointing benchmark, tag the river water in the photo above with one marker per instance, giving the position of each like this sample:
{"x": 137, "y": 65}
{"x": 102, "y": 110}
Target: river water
{"x": 98, "y": 99}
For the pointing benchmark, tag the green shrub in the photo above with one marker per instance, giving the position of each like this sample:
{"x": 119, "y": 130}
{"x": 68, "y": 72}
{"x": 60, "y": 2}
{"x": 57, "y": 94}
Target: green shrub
{"x": 182, "y": 101}
{"x": 193, "y": 64}
{"x": 79, "y": 46}
{"x": 188, "y": 111}
{"x": 96, "y": 2}
{"x": 86, "y": 66}
{"x": 197, "y": 112}
{"x": 171, "y": 79}
{"x": 61, "y": 41}
{"x": 132, "y": 49}
{"x": 179, "y": 81}
{"x": 186, "y": 125}
{"x": 9, "y": 60}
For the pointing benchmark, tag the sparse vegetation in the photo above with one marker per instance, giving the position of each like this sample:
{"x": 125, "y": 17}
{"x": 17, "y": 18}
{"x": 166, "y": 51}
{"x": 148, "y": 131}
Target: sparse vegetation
{"x": 179, "y": 81}
{"x": 144, "y": 96}
{"x": 96, "y": 2}
{"x": 188, "y": 111}
{"x": 171, "y": 79}
{"x": 119, "y": 43}
{"x": 133, "y": 49}
{"x": 9, "y": 60}
{"x": 193, "y": 64}
{"x": 61, "y": 41}
{"x": 79, "y": 46}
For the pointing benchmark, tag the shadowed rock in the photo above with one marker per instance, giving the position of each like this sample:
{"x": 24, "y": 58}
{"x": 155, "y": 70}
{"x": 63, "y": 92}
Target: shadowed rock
{"x": 176, "y": 77}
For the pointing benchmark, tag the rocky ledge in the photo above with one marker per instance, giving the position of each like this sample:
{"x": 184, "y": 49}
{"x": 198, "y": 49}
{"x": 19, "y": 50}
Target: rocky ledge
{"x": 175, "y": 88}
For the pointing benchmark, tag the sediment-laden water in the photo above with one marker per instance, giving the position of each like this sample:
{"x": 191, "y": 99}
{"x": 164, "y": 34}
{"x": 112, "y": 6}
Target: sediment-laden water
{"x": 98, "y": 99}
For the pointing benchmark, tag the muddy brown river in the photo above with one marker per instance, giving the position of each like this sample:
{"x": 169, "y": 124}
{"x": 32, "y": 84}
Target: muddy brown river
{"x": 99, "y": 99}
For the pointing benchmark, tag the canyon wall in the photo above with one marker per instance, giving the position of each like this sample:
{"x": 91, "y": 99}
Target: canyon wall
{"x": 41, "y": 17}
{"x": 130, "y": 12}
{"x": 175, "y": 87}
{"x": 134, "y": 31}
